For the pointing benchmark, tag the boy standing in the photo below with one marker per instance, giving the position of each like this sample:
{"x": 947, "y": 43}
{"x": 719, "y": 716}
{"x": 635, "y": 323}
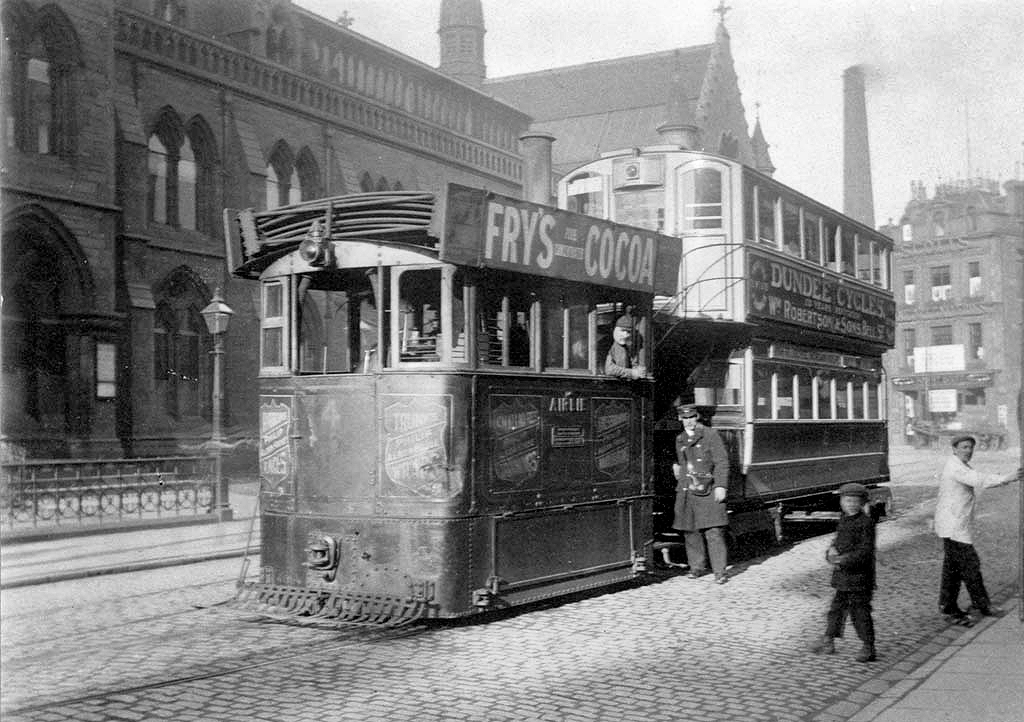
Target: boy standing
{"x": 852, "y": 556}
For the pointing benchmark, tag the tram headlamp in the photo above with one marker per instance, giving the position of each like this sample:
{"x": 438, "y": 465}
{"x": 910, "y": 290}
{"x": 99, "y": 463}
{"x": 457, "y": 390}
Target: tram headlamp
{"x": 314, "y": 248}
{"x": 322, "y": 556}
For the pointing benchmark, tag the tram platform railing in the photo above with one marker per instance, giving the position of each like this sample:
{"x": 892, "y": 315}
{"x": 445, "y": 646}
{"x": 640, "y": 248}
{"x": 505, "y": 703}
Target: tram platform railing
{"x": 67, "y": 496}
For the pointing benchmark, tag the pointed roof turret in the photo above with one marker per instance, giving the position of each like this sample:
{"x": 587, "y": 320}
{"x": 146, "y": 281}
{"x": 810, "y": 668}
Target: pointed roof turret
{"x": 762, "y": 160}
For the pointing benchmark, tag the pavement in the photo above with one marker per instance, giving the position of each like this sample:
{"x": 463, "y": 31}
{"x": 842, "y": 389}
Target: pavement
{"x": 90, "y": 553}
{"x": 975, "y": 674}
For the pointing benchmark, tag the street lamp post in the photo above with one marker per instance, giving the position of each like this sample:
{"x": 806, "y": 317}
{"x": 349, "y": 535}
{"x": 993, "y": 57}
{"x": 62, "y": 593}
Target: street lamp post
{"x": 217, "y": 316}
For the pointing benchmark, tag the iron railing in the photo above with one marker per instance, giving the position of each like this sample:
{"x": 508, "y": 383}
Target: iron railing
{"x": 42, "y": 495}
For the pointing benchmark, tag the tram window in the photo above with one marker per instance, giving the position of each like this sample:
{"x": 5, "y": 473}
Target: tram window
{"x": 824, "y": 395}
{"x": 272, "y": 326}
{"x": 419, "y": 314}
{"x": 804, "y": 390}
{"x": 812, "y": 237}
{"x": 337, "y": 321}
{"x": 785, "y": 381}
{"x": 749, "y": 211}
{"x": 865, "y": 268}
{"x": 644, "y": 209}
{"x": 586, "y": 195}
{"x": 843, "y": 391}
{"x": 460, "y": 307}
{"x": 566, "y": 323}
{"x": 766, "y": 204}
{"x": 504, "y": 323}
{"x": 791, "y": 228}
{"x": 830, "y": 244}
{"x": 880, "y": 266}
{"x": 871, "y": 400}
{"x": 857, "y": 387}
{"x": 846, "y": 251}
{"x": 762, "y": 392}
{"x": 702, "y": 203}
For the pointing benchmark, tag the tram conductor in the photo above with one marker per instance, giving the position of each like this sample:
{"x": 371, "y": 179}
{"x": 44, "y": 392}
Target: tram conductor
{"x": 702, "y": 480}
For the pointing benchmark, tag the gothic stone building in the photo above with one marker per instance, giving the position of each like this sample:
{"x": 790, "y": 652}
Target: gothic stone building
{"x": 129, "y": 125}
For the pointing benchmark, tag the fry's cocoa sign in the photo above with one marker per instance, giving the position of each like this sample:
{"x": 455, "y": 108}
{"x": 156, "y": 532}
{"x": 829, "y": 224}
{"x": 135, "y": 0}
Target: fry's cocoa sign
{"x": 493, "y": 231}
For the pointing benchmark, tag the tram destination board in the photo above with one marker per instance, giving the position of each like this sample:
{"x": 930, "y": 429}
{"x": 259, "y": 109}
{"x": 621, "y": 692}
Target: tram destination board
{"x": 488, "y": 230}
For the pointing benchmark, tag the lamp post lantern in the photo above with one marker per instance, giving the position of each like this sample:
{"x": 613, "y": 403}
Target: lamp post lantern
{"x": 217, "y": 316}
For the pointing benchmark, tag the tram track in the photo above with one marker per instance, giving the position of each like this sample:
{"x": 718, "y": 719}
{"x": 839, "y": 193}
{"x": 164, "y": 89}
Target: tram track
{"x": 311, "y": 651}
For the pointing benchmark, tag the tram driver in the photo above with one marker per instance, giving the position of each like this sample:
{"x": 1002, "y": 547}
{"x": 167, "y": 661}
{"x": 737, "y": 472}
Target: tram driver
{"x": 623, "y": 359}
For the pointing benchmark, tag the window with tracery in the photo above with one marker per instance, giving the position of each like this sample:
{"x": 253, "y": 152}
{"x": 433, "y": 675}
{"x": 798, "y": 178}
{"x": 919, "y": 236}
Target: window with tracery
{"x": 181, "y": 345}
{"x": 41, "y": 52}
{"x": 181, "y": 190}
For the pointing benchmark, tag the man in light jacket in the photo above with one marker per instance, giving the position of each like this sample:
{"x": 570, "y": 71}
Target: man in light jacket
{"x": 954, "y": 511}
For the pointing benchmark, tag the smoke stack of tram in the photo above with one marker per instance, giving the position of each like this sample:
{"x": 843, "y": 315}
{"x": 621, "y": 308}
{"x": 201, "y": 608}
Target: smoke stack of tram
{"x": 858, "y": 198}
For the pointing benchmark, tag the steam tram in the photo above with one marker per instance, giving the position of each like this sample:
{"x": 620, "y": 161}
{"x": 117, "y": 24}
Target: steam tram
{"x": 438, "y": 437}
{"x": 783, "y": 311}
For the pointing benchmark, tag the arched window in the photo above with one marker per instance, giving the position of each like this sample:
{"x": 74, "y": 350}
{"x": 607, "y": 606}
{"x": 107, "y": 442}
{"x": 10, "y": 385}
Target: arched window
{"x": 365, "y": 182}
{"x": 202, "y": 189}
{"x": 181, "y": 190}
{"x": 181, "y": 344}
{"x": 283, "y": 182}
{"x": 159, "y": 172}
{"x": 40, "y": 55}
{"x": 308, "y": 176}
{"x": 187, "y": 177}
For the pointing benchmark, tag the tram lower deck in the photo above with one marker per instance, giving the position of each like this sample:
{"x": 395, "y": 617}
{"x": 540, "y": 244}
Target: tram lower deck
{"x": 441, "y": 495}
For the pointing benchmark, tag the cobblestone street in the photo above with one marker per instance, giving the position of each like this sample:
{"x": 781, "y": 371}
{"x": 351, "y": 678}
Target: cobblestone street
{"x": 673, "y": 648}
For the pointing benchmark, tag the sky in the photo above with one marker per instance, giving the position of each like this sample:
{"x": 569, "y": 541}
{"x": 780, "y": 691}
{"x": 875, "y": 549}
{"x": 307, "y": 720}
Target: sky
{"x": 944, "y": 78}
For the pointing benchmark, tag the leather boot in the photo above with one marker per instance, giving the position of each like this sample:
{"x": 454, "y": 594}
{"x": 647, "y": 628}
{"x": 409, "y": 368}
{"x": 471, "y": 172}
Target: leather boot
{"x": 826, "y": 645}
{"x": 867, "y": 653}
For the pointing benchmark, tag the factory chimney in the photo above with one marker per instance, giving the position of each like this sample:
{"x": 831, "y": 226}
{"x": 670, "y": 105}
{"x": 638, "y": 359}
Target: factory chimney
{"x": 858, "y": 198}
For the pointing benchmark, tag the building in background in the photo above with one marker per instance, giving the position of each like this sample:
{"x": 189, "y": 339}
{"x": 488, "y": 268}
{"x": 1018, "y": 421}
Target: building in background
{"x": 129, "y": 125}
{"x": 685, "y": 98}
{"x": 959, "y": 285}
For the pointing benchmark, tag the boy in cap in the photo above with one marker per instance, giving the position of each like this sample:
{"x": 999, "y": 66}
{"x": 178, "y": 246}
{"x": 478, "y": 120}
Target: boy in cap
{"x": 852, "y": 556}
{"x": 623, "y": 359}
{"x": 954, "y": 510}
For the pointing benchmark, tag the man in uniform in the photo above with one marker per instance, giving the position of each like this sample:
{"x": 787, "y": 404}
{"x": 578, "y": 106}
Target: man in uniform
{"x": 702, "y": 476}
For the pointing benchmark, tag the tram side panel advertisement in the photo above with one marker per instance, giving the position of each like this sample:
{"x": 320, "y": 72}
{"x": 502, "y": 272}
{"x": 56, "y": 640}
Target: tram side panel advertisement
{"x": 547, "y": 443}
{"x": 487, "y": 230}
{"x": 788, "y": 293}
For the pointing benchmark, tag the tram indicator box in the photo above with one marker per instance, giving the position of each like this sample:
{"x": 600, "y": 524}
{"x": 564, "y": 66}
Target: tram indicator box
{"x": 488, "y": 230}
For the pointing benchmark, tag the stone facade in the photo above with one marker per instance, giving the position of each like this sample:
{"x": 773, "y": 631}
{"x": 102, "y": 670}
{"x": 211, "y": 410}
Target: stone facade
{"x": 959, "y": 285}
{"x": 131, "y": 125}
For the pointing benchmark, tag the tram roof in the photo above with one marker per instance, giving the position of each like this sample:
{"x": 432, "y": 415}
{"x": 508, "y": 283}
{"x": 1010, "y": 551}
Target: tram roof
{"x": 470, "y": 227}
{"x": 398, "y": 219}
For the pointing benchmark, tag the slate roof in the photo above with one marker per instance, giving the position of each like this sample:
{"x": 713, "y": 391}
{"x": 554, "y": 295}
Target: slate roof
{"x": 606, "y": 105}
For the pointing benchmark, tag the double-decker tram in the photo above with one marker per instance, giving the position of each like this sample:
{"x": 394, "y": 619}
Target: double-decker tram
{"x": 438, "y": 435}
{"x": 782, "y": 311}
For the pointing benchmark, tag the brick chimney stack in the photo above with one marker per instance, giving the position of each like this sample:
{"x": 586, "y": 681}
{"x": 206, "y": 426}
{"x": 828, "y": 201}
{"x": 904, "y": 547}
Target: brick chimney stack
{"x": 858, "y": 198}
